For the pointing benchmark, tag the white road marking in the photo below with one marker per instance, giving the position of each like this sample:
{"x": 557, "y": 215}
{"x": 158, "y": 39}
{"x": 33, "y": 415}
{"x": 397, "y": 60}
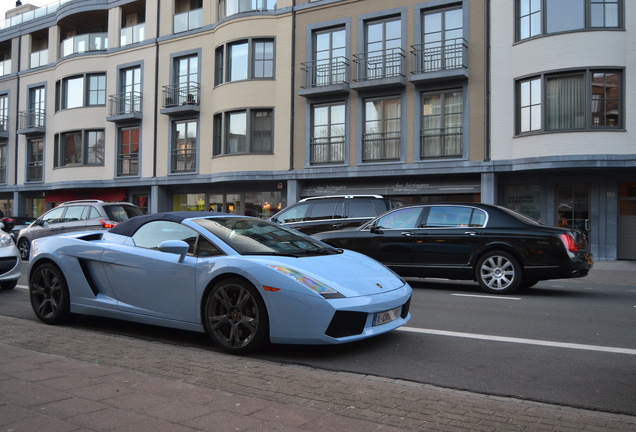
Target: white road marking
{"x": 486, "y": 296}
{"x": 521, "y": 341}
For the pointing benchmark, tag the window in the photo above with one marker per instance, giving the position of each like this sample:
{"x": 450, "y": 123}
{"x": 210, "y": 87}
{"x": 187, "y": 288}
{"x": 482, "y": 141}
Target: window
{"x": 241, "y": 132}
{"x": 35, "y": 148}
{"x": 3, "y": 161}
{"x": 35, "y": 115}
{"x": 442, "y": 125}
{"x": 443, "y": 40}
{"x": 128, "y": 151}
{"x": 184, "y": 146}
{"x": 566, "y": 15}
{"x": 231, "y": 7}
{"x": 130, "y": 88}
{"x": 79, "y": 148}
{"x": 329, "y": 65}
{"x": 588, "y": 99}
{"x": 327, "y": 143}
{"x": 382, "y": 122}
{"x": 79, "y": 91}
{"x": 405, "y": 218}
{"x": 246, "y": 59}
{"x": 184, "y": 89}
{"x": 383, "y": 56}
{"x": 4, "y": 113}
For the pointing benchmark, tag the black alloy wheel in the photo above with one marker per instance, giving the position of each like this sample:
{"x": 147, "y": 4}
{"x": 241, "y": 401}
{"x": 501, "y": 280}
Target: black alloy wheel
{"x": 24, "y": 247}
{"x": 498, "y": 273}
{"x": 235, "y": 317}
{"x": 49, "y": 294}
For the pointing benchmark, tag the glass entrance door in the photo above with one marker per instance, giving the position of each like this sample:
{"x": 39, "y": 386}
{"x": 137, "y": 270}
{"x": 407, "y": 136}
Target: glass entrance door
{"x": 573, "y": 206}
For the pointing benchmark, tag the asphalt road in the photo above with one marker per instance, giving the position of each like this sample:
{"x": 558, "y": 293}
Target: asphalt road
{"x": 568, "y": 343}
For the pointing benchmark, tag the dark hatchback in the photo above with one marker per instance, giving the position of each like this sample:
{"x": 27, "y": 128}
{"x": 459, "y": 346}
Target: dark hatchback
{"x": 500, "y": 249}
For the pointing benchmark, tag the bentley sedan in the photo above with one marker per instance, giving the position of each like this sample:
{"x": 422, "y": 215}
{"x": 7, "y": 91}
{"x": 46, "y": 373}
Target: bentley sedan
{"x": 244, "y": 281}
{"x": 500, "y": 249}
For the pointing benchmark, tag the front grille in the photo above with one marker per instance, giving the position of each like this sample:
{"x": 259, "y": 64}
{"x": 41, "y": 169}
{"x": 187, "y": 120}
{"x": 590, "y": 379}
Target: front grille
{"x": 7, "y": 264}
{"x": 405, "y": 308}
{"x": 345, "y": 323}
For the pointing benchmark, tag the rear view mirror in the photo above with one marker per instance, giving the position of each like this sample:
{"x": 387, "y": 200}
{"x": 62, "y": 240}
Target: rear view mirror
{"x": 178, "y": 247}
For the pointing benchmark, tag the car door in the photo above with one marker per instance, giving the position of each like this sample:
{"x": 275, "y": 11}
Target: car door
{"x": 149, "y": 282}
{"x": 74, "y": 219}
{"x": 48, "y": 224}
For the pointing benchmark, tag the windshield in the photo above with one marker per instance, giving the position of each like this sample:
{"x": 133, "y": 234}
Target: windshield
{"x": 121, "y": 213}
{"x": 250, "y": 236}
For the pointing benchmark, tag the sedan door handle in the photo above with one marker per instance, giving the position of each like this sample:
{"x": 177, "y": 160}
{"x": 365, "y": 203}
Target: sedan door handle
{"x": 407, "y": 234}
{"x": 472, "y": 233}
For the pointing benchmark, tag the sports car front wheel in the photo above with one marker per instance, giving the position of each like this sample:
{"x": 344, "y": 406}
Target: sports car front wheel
{"x": 235, "y": 317}
{"x": 498, "y": 272}
{"x": 49, "y": 294}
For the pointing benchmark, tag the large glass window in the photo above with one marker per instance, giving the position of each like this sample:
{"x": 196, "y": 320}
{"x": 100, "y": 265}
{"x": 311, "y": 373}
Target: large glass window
{"x": 37, "y": 107}
{"x": 4, "y": 113}
{"x": 566, "y": 16}
{"x": 588, "y": 99}
{"x": 329, "y": 64}
{"x": 382, "y": 125}
{"x": 79, "y": 91}
{"x": 240, "y": 132}
{"x": 128, "y": 151}
{"x": 184, "y": 146}
{"x": 130, "y": 82}
{"x": 327, "y": 143}
{"x": 79, "y": 148}
{"x": 383, "y": 56}
{"x": 3, "y": 161}
{"x": 247, "y": 59}
{"x": 443, "y": 40}
{"x": 35, "y": 151}
{"x": 442, "y": 125}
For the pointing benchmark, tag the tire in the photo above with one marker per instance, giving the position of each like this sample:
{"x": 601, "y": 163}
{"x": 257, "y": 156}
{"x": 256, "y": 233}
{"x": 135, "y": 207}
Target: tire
{"x": 24, "y": 247}
{"x": 9, "y": 285}
{"x": 498, "y": 273}
{"x": 235, "y": 317}
{"x": 49, "y": 294}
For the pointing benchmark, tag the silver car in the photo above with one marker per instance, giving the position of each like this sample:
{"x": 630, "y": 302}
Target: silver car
{"x": 10, "y": 266}
{"x": 75, "y": 216}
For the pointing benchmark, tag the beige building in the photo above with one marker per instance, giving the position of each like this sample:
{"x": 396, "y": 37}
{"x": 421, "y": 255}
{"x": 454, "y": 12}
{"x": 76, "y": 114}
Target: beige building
{"x": 248, "y": 106}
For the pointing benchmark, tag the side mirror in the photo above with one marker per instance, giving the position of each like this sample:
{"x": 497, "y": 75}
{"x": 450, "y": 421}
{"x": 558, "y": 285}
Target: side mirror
{"x": 178, "y": 247}
{"x": 373, "y": 228}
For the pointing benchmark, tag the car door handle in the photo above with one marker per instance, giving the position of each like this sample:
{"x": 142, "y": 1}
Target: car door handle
{"x": 472, "y": 233}
{"x": 336, "y": 226}
{"x": 407, "y": 234}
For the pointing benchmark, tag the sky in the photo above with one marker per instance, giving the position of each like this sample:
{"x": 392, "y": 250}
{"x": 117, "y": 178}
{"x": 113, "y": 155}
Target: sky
{"x": 6, "y": 5}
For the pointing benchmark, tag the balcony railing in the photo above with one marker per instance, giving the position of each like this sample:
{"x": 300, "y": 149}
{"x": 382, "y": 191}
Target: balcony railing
{"x": 88, "y": 42}
{"x": 128, "y": 164}
{"x": 4, "y": 123}
{"x": 124, "y": 103}
{"x": 327, "y": 150}
{"x": 233, "y": 7}
{"x": 181, "y": 94}
{"x": 188, "y": 20}
{"x": 441, "y": 142}
{"x": 184, "y": 160}
{"x": 34, "y": 171}
{"x": 380, "y": 64}
{"x": 381, "y": 146}
{"x": 439, "y": 56}
{"x": 326, "y": 72}
{"x": 5, "y": 67}
{"x": 32, "y": 119}
{"x": 39, "y": 58}
{"x": 131, "y": 35}
{"x": 30, "y": 15}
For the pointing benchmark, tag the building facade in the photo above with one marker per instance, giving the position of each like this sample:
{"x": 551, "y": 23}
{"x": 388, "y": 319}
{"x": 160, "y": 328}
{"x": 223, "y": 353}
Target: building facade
{"x": 249, "y": 106}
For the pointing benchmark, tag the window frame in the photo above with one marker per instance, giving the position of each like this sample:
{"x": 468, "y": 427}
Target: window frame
{"x": 330, "y": 125}
{"x": 85, "y": 148}
{"x": 383, "y": 130}
{"x": 62, "y": 89}
{"x": 35, "y": 160}
{"x": 132, "y": 157}
{"x": 224, "y": 60}
{"x": 221, "y": 144}
{"x": 443, "y": 126}
{"x": 190, "y": 151}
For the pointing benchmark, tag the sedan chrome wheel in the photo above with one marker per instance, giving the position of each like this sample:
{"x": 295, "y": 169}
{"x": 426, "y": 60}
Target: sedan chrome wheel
{"x": 235, "y": 317}
{"x": 498, "y": 272}
{"x": 49, "y": 294}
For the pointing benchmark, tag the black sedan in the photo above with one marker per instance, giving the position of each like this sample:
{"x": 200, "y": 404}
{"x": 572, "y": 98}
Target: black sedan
{"x": 500, "y": 249}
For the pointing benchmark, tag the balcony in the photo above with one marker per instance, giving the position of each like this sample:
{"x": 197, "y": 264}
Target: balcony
{"x": 132, "y": 35}
{"x": 232, "y": 7}
{"x": 4, "y": 126}
{"x": 188, "y": 21}
{"x": 384, "y": 68}
{"x": 181, "y": 98}
{"x": 325, "y": 77}
{"x": 90, "y": 42}
{"x": 124, "y": 107}
{"x": 31, "y": 122}
{"x": 384, "y": 146}
{"x": 184, "y": 160}
{"x": 5, "y": 67}
{"x": 128, "y": 165}
{"x": 440, "y": 61}
{"x": 441, "y": 142}
{"x": 39, "y": 58}
{"x": 327, "y": 150}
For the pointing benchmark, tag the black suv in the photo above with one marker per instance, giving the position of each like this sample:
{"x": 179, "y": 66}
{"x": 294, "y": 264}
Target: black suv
{"x": 73, "y": 216}
{"x": 317, "y": 214}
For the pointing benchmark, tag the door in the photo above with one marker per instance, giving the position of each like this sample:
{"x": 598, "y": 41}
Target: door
{"x": 573, "y": 207}
{"x": 627, "y": 221}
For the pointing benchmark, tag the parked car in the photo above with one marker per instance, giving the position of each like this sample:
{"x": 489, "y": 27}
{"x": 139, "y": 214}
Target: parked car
{"x": 10, "y": 264}
{"x": 13, "y": 224}
{"x": 500, "y": 249}
{"x": 316, "y": 214}
{"x": 75, "y": 216}
{"x": 243, "y": 280}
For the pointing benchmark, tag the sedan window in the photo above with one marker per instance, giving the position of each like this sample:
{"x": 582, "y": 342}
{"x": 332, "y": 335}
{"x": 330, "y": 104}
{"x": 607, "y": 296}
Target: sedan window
{"x": 405, "y": 218}
{"x": 449, "y": 217}
{"x": 54, "y": 216}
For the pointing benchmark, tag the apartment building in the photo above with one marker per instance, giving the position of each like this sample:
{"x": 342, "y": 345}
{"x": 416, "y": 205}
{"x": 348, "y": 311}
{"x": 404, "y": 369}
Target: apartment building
{"x": 248, "y": 106}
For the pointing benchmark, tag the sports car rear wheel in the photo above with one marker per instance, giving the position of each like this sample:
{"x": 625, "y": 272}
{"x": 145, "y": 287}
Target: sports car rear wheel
{"x": 498, "y": 272}
{"x": 235, "y": 317}
{"x": 49, "y": 294}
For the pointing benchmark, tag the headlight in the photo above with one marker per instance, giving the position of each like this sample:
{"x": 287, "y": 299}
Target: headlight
{"x": 5, "y": 240}
{"x": 314, "y": 285}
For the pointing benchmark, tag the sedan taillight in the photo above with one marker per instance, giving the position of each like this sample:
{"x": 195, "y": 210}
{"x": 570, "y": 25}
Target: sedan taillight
{"x": 108, "y": 223}
{"x": 569, "y": 242}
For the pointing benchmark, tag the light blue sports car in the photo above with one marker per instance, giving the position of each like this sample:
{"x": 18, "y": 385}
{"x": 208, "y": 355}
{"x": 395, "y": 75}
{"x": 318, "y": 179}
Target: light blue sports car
{"x": 245, "y": 281}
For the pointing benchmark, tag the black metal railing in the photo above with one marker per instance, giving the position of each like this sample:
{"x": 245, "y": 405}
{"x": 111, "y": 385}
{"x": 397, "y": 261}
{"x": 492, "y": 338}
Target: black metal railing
{"x": 124, "y": 103}
{"x": 181, "y": 94}
{"x": 438, "y": 56}
{"x": 388, "y": 63}
{"x": 381, "y": 146}
{"x": 327, "y": 150}
{"x": 326, "y": 72}
{"x": 441, "y": 142}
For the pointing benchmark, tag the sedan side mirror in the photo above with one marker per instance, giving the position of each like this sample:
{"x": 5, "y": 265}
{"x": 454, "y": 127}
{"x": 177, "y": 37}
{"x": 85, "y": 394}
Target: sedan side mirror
{"x": 178, "y": 247}
{"x": 374, "y": 229}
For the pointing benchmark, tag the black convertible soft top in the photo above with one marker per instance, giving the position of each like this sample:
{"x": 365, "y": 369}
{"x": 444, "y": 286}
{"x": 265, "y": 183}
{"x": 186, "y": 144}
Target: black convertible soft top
{"x": 129, "y": 227}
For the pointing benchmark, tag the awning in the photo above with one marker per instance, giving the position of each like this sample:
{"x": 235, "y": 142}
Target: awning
{"x": 111, "y": 194}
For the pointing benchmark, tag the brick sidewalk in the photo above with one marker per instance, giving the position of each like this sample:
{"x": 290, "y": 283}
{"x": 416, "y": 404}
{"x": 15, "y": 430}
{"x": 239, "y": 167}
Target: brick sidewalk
{"x": 58, "y": 378}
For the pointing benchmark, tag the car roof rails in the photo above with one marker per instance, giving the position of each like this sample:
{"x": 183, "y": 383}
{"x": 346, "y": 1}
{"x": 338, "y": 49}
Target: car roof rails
{"x": 340, "y": 196}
